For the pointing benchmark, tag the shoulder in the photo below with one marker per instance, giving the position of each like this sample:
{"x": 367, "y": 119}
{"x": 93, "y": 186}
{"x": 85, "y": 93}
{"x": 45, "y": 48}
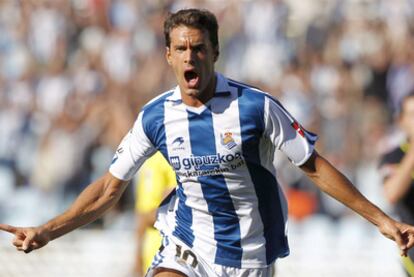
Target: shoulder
{"x": 249, "y": 92}
{"x": 157, "y": 102}
{"x": 154, "y": 109}
{"x": 254, "y": 104}
{"x": 252, "y": 97}
{"x": 248, "y": 97}
{"x": 245, "y": 90}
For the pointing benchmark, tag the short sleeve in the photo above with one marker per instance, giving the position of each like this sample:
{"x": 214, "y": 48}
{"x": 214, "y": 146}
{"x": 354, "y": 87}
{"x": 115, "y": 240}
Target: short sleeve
{"x": 287, "y": 134}
{"x": 133, "y": 150}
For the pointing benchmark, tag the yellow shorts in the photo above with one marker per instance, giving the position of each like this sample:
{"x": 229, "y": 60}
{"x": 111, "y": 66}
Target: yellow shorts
{"x": 151, "y": 244}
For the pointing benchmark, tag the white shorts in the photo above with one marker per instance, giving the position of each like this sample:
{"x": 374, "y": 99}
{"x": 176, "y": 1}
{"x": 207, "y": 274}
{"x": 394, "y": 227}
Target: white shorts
{"x": 181, "y": 258}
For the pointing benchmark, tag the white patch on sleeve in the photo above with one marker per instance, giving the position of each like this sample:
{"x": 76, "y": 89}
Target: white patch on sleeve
{"x": 133, "y": 150}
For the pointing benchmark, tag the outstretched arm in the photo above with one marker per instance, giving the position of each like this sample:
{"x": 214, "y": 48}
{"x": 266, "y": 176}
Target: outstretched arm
{"x": 335, "y": 184}
{"x": 97, "y": 198}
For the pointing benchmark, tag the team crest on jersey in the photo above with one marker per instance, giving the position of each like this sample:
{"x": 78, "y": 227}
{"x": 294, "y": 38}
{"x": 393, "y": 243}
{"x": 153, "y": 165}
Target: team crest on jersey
{"x": 227, "y": 140}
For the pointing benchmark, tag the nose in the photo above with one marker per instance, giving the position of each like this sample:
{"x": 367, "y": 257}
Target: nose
{"x": 189, "y": 56}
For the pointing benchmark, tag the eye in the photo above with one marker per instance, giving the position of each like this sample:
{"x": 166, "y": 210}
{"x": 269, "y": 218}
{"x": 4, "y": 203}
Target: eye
{"x": 180, "y": 48}
{"x": 199, "y": 48}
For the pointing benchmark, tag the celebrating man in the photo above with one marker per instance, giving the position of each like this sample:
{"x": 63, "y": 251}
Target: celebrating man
{"x": 228, "y": 215}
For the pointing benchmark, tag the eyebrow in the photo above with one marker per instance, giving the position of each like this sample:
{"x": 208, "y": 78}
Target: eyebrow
{"x": 195, "y": 45}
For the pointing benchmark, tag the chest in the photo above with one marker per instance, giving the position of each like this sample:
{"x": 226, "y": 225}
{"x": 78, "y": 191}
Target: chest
{"x": 203, "y": 141}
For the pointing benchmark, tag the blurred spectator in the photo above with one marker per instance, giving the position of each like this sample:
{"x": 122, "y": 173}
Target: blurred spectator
{"x": 397, "y": 167}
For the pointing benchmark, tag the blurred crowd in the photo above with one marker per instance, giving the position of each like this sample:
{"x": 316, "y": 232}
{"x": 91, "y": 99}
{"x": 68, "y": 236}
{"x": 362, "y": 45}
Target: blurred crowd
{"x": 74, "y": 74}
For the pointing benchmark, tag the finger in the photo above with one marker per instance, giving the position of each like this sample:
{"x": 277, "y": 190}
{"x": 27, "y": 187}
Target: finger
{"x": 17, "y": 242}
{"x": 403, "y": 252}
{"x": 28, "y": 241}
{"x": 410, "y": 239}
{"x": 400, "y": 242}
{"x": 8, "y": 228}
{"x": 28, "y": 250}
{"x": 20, "y": 236}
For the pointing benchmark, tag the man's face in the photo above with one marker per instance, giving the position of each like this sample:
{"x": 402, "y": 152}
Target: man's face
{"x": 192, "y": 59}
{"x": 407, "y": 117}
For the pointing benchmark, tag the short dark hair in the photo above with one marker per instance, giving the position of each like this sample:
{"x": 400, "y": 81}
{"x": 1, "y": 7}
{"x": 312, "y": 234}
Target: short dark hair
{"x": 195, "y": 18}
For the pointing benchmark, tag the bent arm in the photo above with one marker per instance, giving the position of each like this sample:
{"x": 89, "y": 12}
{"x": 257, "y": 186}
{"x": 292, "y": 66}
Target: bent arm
{"x": 399, "y": 182}
{"x": 97, "y": 198}
{"x": 335, "y": 184}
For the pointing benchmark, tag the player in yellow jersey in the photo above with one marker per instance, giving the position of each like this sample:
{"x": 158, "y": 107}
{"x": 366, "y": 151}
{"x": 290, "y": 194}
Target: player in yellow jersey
{"x": 155, "y": 180}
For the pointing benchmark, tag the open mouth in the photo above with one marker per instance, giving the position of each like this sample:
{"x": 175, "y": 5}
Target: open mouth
{"x": 192, "y": 78}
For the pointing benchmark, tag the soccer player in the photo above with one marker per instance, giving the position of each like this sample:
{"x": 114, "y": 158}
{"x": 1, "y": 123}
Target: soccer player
{"x": 228, "y": 215}
{"x": 156, "y": 179}
{"x": 397, "y": 169}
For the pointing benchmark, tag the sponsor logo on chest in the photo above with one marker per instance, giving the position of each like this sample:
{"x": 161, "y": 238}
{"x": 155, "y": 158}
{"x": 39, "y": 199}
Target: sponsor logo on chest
{"x": 227, "y": 158}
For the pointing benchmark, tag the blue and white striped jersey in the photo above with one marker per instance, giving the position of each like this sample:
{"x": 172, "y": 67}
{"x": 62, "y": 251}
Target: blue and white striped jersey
{"x": 230, "y": 209}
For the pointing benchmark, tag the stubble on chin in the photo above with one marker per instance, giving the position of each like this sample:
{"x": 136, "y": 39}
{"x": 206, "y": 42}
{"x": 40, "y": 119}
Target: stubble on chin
{"x": 192, "y": 92}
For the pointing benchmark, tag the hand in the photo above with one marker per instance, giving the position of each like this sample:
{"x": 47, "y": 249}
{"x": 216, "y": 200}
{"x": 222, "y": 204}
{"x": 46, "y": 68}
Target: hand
{"x": 401, "y": 233}
{"x": 27, "y": 239}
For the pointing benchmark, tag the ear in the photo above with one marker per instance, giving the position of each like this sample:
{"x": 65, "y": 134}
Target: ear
{"x": 168, "y": 55}
{"x": 216, "y": 54}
